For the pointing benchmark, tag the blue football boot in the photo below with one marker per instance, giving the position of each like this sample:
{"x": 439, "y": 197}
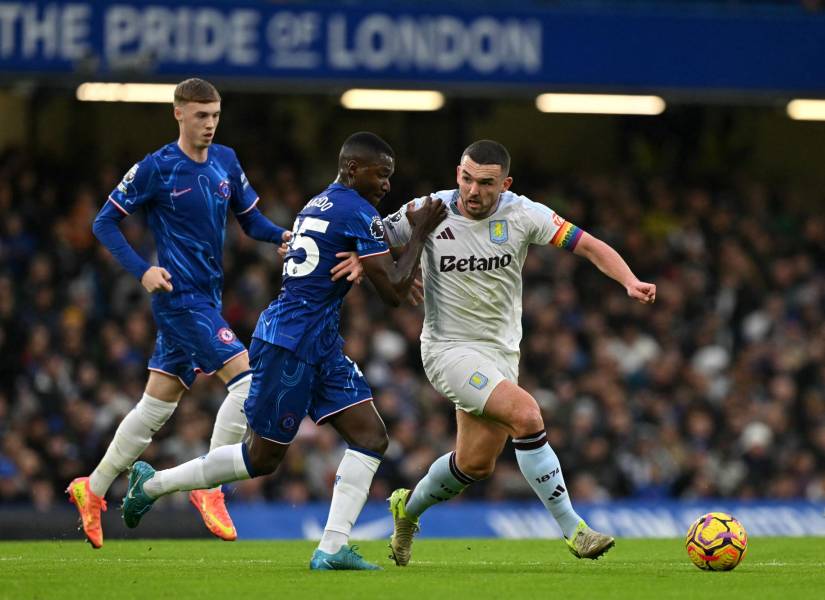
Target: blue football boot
{"x": 346, "y": 559}
{"x": 136, "y": 502}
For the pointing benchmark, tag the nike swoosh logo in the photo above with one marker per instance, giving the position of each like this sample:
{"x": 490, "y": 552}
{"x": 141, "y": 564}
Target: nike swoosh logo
{"x": 330, "y": 565}
{"x": 267, "y": 322}
{"x": 131, "y": 494}
{"x": 226, "y": 529}
{"x": 176, "y": 193}
{"x": 79, "y": 495}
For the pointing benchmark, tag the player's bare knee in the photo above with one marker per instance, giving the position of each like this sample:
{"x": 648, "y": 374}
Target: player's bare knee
{"x": 375, "y": 442}
{"x": 527, "y": 421}
{"x": 265, "y": 466}
{"x": 477, "y": 469}
{"x": 479, "y": 472}
{"x": 382, "y": 443}
{"x": 264, "y": 463}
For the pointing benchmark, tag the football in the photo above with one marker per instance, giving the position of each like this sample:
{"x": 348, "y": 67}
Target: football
{"x": 716, "y": 542}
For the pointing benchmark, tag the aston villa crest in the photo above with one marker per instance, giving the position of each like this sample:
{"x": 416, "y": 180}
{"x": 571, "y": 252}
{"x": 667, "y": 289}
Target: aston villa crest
{"x": 498, "y": 232}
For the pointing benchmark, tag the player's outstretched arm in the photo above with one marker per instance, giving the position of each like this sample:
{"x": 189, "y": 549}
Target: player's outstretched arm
{"x": 613, "y": 265}
{"x": 260, "y": 228}
{"x": 394, "y": 280}
{"x": 416, "y": 294}
{"x": 351, "y": 268}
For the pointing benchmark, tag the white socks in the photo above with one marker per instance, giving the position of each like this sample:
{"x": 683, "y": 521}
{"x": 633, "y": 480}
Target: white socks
{"x": 540, "y": 466}
{"x": 442, "y": 482}
{"x": 135, "y": 432}
{"x": 352, "y": 485}
{"x": 131, "y": 438}
{"x": 230, "y": 422}
{"x": 225, "y": 461}
{"x": 221, "y": 465}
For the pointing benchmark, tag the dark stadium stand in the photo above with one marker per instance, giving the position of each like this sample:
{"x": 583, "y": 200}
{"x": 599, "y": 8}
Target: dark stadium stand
{"x": 720, "y": 391}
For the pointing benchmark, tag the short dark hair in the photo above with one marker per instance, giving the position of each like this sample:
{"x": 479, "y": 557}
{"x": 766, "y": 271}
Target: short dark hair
{"x": 196, "y": 90}
{"x": 488, "y": 152}
{"x": 364, "y": 145}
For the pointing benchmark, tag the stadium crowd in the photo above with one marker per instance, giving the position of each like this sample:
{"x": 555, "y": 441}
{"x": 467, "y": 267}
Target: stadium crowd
{"x": 718, "y": 390}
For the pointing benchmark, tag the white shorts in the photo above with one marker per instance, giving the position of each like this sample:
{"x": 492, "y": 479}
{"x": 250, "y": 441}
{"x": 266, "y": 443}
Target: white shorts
{"x": 467, "y": 373}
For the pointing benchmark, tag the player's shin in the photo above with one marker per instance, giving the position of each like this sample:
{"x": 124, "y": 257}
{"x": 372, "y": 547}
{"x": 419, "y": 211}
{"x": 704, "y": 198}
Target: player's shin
{"x": 352, "y": 485}
{"x": 230, "y": 422}
{"x": 221, "y": 465}
{"x": 132, "y": 437}
{"x": 540, "y": 466}
{"x": 442, "y": 482}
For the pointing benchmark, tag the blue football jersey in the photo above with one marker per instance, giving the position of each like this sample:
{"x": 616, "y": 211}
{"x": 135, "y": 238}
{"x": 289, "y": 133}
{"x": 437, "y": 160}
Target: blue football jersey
{"x": 186, "y": 204}
{"x": 305, "y": 317}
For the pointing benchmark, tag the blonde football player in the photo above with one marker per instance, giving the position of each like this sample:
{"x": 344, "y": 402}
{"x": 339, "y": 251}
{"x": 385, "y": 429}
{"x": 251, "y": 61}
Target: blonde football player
{"x": 470, "y": 342}
{"x": 185, "y": 189}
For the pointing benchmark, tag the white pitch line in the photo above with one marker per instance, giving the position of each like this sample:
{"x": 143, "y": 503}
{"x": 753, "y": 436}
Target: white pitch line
{"x": 181, "y": 561}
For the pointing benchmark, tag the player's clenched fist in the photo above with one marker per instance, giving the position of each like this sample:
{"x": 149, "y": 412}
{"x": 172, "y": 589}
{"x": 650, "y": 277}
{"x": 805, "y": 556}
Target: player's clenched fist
{"x": 286, "y": 237}
{"x": 156, "y": 279}
{"x": 643, "y": 292}
{"x": 426, "y": 217}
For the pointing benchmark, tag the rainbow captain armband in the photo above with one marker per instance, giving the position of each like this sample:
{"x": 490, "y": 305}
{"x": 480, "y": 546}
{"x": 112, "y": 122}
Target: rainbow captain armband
{"x": 567, "y": 236}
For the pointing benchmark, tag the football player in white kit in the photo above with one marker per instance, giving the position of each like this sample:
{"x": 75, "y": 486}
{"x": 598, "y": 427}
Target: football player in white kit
{"x": 471, "y": 270}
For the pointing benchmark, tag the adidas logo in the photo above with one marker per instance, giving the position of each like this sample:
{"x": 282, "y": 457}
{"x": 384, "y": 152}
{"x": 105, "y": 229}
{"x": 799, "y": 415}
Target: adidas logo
{"x": 445, "y": 235}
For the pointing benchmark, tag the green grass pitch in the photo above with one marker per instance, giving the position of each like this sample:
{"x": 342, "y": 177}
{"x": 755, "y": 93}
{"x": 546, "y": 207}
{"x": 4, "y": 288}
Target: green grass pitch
{"x": 787, "y": 568}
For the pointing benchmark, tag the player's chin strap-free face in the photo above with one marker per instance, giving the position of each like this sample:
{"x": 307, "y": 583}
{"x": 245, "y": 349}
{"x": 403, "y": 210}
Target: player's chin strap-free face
{"x": 197, "y": 119}
{"x": 371, "y": 179}
{"x": 480, "y": 186}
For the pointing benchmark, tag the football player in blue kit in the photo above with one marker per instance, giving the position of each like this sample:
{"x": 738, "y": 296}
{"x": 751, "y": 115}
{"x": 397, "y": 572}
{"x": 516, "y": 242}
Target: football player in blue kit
{"x": 298, "y": 364}
{"x": 185, "y": 189}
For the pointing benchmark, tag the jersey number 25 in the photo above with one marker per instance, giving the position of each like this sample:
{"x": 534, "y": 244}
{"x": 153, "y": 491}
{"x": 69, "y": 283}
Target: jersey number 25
{"x": 307, "y": 266}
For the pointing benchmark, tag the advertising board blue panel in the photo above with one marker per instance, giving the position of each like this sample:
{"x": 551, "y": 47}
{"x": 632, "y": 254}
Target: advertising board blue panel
{"x": 527, "y": 520}
{"x": 644, "y": 49}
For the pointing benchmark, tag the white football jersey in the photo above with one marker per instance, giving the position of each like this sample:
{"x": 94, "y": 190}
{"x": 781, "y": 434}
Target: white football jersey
{"x": 472, "y": 268}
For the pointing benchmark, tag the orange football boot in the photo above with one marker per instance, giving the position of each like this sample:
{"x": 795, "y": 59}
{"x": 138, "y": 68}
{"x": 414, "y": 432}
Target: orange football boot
{"x": 212, "y": 508}
{"x": 89, "y": 507}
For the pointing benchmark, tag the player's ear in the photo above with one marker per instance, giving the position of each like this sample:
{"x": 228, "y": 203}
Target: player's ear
{"x": 458, "y": 174}
{"x": 178, "y": 112}
{"x": 505, "y": 185}
{"x": 352, "y": 168}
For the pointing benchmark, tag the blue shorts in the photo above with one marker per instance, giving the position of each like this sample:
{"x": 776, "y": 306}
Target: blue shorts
{"x": 285, "y": 389}
{"x": 193, "y": 340}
